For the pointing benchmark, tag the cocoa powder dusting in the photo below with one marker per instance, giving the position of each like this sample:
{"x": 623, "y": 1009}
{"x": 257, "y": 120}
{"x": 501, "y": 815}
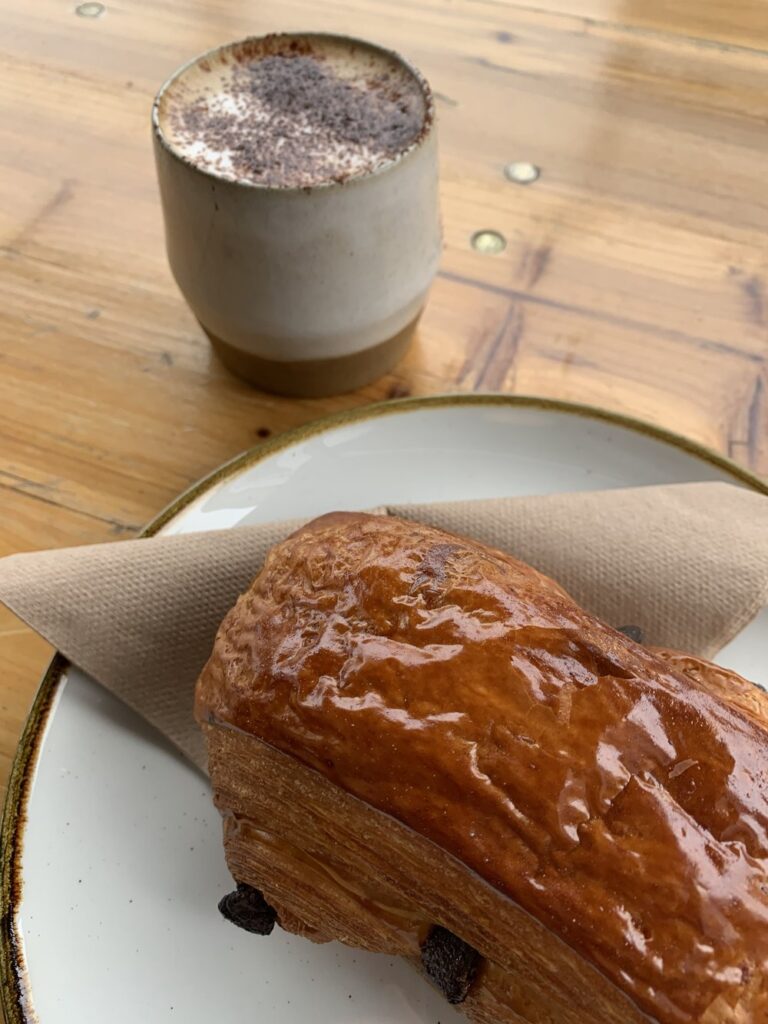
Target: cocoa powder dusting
{"x": 290, "y": 120}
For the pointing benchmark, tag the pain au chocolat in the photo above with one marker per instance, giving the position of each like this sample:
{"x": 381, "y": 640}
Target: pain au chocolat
{"x": 423, "y": 746}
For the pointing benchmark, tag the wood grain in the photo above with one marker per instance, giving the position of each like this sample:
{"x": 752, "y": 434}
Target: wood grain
{"x": 634, "y": 275}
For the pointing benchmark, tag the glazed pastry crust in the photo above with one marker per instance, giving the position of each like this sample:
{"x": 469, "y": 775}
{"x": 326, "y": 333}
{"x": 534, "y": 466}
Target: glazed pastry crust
{"x": 600, "y": 808}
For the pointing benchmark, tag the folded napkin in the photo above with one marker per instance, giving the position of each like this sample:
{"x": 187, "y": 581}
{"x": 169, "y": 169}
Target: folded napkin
{"x": 688, "y": 564}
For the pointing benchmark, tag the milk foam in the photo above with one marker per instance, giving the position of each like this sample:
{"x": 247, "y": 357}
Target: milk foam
{"x": 294, "y": 111}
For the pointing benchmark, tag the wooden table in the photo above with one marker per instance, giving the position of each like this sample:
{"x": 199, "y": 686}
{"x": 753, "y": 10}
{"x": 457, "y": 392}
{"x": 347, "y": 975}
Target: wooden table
{"x": 633, "y": 275}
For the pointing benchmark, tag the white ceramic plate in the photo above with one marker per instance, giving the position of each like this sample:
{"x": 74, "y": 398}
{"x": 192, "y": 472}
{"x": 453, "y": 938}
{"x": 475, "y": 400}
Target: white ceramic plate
{"x": 113, "y": 863}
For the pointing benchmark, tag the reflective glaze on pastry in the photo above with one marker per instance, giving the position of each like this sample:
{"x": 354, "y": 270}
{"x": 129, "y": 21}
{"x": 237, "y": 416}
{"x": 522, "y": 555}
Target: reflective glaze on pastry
{"x": 617, "y": 794}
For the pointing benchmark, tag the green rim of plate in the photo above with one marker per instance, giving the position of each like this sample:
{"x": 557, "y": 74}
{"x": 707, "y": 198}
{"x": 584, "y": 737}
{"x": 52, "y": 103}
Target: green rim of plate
{"x": 13, "y": 983}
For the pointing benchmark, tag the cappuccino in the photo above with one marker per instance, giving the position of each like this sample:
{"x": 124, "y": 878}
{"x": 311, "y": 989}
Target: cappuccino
{"x": 298, "y": 175}
{"x": 294, "y": 113}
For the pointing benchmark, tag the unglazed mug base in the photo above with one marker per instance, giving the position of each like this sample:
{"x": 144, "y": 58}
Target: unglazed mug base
{"x": 316, "y": 378}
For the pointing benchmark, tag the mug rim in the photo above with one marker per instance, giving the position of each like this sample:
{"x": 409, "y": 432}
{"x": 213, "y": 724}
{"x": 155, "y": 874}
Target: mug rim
{"x": 425, "y": 134}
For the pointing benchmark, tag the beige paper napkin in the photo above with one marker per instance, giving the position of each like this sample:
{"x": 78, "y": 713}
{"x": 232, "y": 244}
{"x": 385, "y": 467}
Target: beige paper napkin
{"x": 687, "y": 563}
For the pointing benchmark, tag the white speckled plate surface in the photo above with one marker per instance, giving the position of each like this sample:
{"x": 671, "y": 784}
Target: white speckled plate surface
{"x": 112, "y": 858}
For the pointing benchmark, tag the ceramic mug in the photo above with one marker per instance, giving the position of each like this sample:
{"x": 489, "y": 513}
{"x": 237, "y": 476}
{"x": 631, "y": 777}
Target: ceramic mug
{"x": 303, "y": 290}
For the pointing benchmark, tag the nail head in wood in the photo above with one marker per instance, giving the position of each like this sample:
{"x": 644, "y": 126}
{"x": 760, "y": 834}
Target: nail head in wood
{"x": 489, "y": 241}
{"x": 90, "y": 10}
{"x": 522, "y": 173}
